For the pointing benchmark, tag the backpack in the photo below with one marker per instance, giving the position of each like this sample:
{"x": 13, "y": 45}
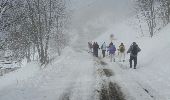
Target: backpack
{"x": 122, "y": 48}
{"x": 135, "y": 50}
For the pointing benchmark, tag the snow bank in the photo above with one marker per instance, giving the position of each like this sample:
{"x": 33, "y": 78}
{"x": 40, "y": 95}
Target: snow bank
{"x": 155, "y": 63}
{"x": 156, "y": 49}
{"x": 19, "y": 75}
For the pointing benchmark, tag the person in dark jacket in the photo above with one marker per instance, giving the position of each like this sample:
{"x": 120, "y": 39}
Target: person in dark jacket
{"x": 133, "y": 50}
{"x": 95, "y": 48}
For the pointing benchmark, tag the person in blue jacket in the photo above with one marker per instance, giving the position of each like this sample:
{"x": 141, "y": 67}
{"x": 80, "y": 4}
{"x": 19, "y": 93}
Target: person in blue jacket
{"x": 112, "y": 50}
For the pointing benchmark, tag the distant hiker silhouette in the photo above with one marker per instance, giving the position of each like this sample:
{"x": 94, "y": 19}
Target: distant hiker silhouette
{"x": 95, "y": 49}
{"x": 133, "y": 50}
{"x": 103, "y": 48}
{"x": 90, "y": 46}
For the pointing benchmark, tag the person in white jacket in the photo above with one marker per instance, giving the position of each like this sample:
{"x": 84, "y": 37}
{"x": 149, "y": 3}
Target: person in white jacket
{"x": 103, "y": 48}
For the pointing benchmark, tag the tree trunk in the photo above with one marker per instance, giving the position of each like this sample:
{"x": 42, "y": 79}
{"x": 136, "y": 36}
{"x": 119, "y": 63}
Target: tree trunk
{"x": 46, "y": 49}
{"x": 33, "y": 53}
{"x": 168, "y": 5}
{"x": 152, "y": 22}
{"x": 140, "y": 26}
{"x": 28, "y": 54}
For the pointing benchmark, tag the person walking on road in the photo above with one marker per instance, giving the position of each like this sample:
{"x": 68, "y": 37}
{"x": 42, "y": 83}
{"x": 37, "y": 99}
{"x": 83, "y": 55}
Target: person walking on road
{"x": 103, "y": 48}
{"x": 94, "y": 44}
{"x": 121, "y": 52}
{"x": 133, "y": 50}
{"x": 112, "y": 50}
{"x": 90, "y": 46}
{"x": 95, "y": 49}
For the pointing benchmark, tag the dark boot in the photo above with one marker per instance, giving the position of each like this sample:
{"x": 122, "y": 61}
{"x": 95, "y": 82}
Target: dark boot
{"x": 103, "y": 52}
{"x": 135, "y": 62}
{"x": 130, "y": 60}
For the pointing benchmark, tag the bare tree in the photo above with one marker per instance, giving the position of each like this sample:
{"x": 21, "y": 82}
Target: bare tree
{"x": 156, "y": 13}
{"x": 30, "y": 24}
{"x": 45, "y": 19}
{"x": 165, "y": 11}
{"x": 147, "y": 9}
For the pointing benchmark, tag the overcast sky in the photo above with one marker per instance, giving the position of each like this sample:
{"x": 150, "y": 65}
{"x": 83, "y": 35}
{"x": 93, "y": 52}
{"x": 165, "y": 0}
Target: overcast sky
{"x": 97, "y": 16}
{"x": 86, "y": 11}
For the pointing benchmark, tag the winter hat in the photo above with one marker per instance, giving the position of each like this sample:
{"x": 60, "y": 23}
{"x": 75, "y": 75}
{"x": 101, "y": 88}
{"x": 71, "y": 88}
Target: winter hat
{"x": 134, "y": 43}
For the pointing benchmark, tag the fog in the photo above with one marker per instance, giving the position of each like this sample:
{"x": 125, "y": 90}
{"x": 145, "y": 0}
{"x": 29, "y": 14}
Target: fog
{"x": 93, "y": 17}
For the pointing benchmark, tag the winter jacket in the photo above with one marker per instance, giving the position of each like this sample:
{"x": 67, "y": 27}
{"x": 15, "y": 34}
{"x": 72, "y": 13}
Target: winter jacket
{"x": 95, "y": 46}
{"x": 103, "y": 47}
{"x": 131, "y": 48}
{"x": 112, "y": 49}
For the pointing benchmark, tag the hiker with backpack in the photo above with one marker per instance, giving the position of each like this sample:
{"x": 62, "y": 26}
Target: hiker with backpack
{"x": 121, "y": 52}
{"x": 112, "y": 50}
{"x": 103, "y": 48}
{"x": 133, "y": 50}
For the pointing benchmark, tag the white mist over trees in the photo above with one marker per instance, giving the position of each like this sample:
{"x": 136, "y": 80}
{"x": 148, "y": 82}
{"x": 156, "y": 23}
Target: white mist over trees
{"x": 31, "y": 26}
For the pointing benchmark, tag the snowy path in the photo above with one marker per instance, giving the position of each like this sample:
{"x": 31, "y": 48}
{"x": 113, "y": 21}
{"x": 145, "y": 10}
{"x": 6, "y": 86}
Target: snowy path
{"x": 79, "y": 76}
{"x": 108, "y": 89}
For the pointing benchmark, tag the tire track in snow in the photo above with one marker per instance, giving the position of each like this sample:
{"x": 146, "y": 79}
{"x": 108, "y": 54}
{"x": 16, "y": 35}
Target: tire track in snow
{"x": 108, "y": 90}
{"x": 66, "y": 94}
{"x": 143, "y": 88}
{"x": 82, "y": 85}
{"x": 150, "y": 91}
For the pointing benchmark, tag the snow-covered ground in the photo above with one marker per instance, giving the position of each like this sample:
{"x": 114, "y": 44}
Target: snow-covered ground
{"x": 77, "y": 75}
{"x": 150, "y": 81}
{"x": 72, "y": 77}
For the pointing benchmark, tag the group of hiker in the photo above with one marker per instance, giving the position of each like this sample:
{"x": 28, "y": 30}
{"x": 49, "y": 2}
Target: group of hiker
{"x": 111, "y": 50}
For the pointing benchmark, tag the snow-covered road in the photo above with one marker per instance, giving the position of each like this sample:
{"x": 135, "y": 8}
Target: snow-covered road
{"x": 80, "y": 76}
